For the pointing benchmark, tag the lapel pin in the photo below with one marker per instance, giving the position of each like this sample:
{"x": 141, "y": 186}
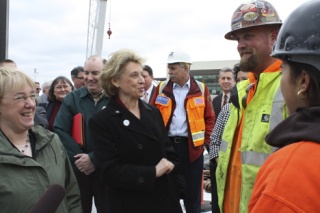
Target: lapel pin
{"x": 126, "y": 122}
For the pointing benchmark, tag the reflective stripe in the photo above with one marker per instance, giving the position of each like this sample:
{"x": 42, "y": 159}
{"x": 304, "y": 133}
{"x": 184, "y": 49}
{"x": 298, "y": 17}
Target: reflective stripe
{"x": 198, "y": 136}
{"x": 162, "y": 85}
{"x": 276, "y": 110}
{"x": 223, "y": 146}
{"x": 201, "y": 86}
{"x": 254, "y": 158}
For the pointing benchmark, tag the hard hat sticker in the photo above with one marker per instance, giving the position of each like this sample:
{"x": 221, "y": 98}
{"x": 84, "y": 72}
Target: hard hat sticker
{"x": 236, "y": 26}
{"x": 236, "y": 16}
{"x": 248, "y": 8}
{"x": 250, "y": 16}
{"x": 267, "y": 12}
{"x": 259, "y": 4}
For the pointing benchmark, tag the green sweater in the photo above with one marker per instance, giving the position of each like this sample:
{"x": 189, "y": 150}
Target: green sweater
{"x": 78, "y": 101}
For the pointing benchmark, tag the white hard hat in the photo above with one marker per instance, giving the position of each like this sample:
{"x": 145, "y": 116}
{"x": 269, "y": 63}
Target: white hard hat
{"x": 177, "y": 56}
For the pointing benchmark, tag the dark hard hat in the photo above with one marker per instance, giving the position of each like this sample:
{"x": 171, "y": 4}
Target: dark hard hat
{"x": 256, "y": 13}
{"x": 299, "y": 35}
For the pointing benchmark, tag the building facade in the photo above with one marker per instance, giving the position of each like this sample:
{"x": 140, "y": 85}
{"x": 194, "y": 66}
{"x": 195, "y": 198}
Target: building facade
{"x": 208, "y": 73}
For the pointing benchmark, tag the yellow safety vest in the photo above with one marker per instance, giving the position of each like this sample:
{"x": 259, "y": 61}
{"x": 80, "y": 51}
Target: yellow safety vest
{"x": 263, "y": 113}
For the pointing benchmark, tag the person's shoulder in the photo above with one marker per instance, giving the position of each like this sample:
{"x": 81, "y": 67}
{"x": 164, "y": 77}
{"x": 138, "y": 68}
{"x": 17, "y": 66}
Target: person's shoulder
{"x": 149, "y": 106}
{"x": 215, "y": 98}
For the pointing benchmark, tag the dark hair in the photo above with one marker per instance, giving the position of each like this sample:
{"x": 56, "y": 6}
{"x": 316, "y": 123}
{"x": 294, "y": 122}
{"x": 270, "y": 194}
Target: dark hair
{"x": 75, "y": 71}
{"x": 236, "y": 70}
{"x": 7, "y": 61}
{"x": 51, "y": 96}
{"x": 224, "y": 70}
{"x": 148, "y": 69}
{"x": 313, "y": 93}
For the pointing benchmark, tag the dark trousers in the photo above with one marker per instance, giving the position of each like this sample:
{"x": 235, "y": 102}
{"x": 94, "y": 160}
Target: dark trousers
{"x": 214, "y": 192}
{"x": 193, "y": 175}
{"x": 91, "y": 187}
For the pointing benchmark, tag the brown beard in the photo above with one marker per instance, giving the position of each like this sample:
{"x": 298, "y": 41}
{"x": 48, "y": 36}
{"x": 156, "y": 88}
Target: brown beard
{"x": 250, "y": 64}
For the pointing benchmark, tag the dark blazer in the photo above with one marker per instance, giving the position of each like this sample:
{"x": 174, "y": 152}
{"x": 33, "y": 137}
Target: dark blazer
{"x": 126, "y": 150}
{"x": 152, "y": 92}
{"x": 216, "y": 103}
{"x": 40, "y": 116}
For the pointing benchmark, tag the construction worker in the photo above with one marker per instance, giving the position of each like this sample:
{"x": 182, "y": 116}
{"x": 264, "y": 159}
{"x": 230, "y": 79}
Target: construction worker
{"x": 185, "y": 105}
{"x": 243, "y": 150}
{"x": 298, "y": 46}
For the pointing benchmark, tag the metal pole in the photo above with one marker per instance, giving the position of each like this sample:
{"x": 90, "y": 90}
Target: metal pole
{"x": 4, "y": 29}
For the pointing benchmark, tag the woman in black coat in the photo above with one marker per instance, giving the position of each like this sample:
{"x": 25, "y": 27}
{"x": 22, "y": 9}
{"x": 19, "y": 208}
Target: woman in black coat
{"x": 134, "y": 156}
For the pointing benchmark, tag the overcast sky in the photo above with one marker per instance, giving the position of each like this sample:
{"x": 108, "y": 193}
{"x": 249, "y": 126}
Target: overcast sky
{"x": 51, "y": 36}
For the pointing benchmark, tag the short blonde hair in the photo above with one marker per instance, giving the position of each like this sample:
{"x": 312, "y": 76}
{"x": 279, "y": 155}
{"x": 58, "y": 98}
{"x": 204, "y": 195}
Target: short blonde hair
{"x": 12, "y": 78}
{"x": 114, "y": 69}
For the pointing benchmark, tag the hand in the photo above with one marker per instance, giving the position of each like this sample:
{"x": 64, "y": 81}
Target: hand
{"x": 84, "y": 164}
{"x": 164, "y": 167}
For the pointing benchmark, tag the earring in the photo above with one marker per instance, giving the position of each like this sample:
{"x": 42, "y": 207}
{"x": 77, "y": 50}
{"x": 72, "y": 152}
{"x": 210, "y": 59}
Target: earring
{"x": 301, "y": 95}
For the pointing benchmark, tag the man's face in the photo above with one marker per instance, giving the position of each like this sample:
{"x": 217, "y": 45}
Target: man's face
{"x": 147, "y": 79}
{"x": 254, "y": 46}
{"x": 78, "y": 80}
{"x": 38, "y": 88}
{"x": 92, "y": 69}
{"x": 226, "y": 81}
{"x": 178, "y": 74}
{"x": 242, "y": 76}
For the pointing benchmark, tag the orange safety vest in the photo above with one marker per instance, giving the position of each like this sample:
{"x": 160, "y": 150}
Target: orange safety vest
{"x": 195, "y": 108}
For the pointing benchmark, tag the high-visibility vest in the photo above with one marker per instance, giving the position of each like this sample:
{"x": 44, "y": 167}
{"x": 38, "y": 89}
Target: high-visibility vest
{"x": 263, "y": 113}
{"x": 195, "y": 108}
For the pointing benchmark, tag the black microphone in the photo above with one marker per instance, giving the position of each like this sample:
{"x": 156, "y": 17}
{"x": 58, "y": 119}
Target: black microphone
{"x": 50, "y": 200}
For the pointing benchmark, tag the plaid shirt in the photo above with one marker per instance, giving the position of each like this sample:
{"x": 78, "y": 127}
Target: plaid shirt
{"x": 216, "y": 135}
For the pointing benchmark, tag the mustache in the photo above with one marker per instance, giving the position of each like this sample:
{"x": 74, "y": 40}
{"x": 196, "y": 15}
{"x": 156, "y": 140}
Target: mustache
{"x": 245, "y": 51}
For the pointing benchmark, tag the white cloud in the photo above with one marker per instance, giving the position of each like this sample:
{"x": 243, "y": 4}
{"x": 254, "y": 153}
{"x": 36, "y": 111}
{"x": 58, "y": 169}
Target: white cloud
{"x": 51, "y": 35}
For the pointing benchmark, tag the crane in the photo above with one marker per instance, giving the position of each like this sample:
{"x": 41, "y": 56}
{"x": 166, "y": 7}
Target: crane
{"x": 97, "y": 14}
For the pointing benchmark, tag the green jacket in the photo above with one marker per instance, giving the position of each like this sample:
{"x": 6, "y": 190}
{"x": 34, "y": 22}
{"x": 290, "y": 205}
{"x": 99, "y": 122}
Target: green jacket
{"x": 264, "y": 112}
{"x": 78, "y": 101}
{"x": 24, "y": 179}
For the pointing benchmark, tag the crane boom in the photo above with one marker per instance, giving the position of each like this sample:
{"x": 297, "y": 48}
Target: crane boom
{"x": 97, "y": 16}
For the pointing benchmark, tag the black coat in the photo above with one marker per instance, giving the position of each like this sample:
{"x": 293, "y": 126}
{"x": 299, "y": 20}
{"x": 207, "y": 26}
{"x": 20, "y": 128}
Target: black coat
{"x": 126, "y": 150}
{"x": 216, "y": 102}
{"x": 152, "y": 92}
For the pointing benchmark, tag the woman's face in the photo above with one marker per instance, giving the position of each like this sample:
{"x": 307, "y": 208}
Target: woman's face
{"x": 61, "y": 89}
{"x": 17, "y": 109}
{"x": 289, "y": 89}
{"x": 131, "y": 81}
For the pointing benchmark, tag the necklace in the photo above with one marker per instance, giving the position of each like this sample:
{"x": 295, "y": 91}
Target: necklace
{"x": 23, "y": 148}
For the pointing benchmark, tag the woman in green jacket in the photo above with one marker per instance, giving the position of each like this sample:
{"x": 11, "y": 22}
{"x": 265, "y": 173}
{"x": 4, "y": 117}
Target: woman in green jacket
{"x": 31, "y": 157}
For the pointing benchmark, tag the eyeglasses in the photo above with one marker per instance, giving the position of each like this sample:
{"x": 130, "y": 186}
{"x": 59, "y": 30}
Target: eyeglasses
{"x": 38, "y": 89}
{"x": 21, "y": 98}
{"x": 81, "y": 78}
{"x": 60, "y": 87}
{"x": 244, "y": 99}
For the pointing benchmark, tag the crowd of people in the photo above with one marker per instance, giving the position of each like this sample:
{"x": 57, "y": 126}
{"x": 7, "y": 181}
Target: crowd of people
{"x": 112, "y": 137}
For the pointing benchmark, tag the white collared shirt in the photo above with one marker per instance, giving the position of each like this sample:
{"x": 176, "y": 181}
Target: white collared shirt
{"x": 147, "y": 93}
{"x": 179, "y": 126}
{"x": 228, "y": 94}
